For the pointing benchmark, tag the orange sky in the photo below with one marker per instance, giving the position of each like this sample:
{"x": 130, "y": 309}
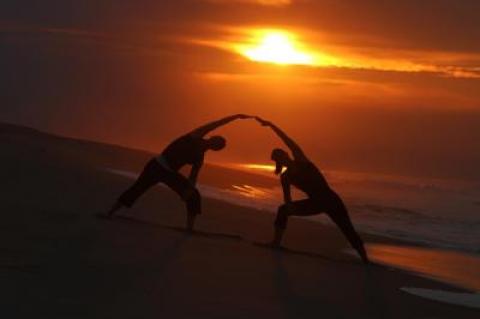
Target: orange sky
{"x": 388, "y": 85}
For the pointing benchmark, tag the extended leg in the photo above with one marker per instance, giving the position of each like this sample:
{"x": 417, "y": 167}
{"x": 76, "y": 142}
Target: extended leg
{"x": 189, "y": 194}
{"x": 150, "y": 176}
{"x": 342, "y": 220}
{"x": 116, "y": 207}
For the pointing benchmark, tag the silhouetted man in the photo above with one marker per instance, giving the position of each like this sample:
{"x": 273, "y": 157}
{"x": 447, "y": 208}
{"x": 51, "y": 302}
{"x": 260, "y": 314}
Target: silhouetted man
{"x": 304, "y": 175}
{"x": 188, "y": 149}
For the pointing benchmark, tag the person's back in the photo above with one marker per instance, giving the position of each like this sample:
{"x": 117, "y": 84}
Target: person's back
{"x": 185, "y": 150}
{"x": 307, "y": 177}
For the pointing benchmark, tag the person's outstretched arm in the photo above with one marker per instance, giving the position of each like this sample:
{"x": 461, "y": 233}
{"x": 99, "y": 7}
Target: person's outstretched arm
{"x": 294, "y": 148}
{"x": 207, "y": 128}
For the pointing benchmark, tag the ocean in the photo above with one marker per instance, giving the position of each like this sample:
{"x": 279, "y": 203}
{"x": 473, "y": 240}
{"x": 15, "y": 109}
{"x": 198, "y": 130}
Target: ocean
{"x": 439, "y": 213}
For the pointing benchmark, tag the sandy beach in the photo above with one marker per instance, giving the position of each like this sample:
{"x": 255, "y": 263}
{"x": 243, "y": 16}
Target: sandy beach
{"x": 60, "y": 261}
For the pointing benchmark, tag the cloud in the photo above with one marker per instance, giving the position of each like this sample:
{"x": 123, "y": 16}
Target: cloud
{"x": 226, "y": 38}
{"x": 275, "y": 3}
{"x": 326, "y": 55}
{"x": 138, "y": 66}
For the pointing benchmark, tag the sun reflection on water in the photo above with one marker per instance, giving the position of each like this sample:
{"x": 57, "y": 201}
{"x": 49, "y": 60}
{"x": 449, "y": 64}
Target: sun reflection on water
{"x": 250, "y": 191}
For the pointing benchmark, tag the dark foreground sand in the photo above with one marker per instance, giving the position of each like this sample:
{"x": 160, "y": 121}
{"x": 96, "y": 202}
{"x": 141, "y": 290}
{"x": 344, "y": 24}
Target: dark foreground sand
{"x": 59, "y": 261}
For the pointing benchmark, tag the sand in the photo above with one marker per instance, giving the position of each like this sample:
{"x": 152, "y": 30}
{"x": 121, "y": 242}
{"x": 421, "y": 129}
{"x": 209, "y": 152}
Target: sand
{"x": 59, "y": 261}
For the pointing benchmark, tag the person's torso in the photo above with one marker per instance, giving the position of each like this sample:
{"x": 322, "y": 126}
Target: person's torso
{"x": 308, "y": 178}
{"x": 186, "y": 150}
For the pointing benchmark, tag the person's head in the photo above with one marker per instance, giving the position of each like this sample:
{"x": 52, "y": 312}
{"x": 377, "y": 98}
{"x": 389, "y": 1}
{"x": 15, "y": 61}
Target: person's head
{"x": 281, "y": 159}
{"x": 216, "y": 143}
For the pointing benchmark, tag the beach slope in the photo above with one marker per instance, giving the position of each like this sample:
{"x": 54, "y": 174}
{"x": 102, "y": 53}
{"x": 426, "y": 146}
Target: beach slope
{"x": 59, "y": 260}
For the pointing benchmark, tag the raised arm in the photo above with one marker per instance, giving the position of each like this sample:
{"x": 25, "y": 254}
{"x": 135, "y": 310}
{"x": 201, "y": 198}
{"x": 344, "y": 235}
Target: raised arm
{"x": 207, "y": 128}
{"x": 294, "y": 148}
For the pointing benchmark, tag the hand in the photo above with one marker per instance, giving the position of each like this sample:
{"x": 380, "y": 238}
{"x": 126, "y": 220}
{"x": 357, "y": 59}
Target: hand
{"x": 262, "y": 121}
{"x": 244, "y": 116}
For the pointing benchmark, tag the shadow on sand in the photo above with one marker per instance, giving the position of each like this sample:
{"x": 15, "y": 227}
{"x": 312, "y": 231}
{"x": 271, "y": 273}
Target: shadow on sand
{"x": 198, "y": 233}
{"x": 301, "y": 304}
{"x": 31, "y": 269}
{"x": 285, "y": 250}
{"x": 297, "y": 304}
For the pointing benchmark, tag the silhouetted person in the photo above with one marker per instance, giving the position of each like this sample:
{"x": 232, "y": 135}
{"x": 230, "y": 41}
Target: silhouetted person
{"x": 187, "y": 149}
{"x": 303, "y": 174}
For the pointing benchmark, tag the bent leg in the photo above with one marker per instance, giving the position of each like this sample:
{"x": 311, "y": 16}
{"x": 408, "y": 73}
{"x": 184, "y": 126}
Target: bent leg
{"x": 194, "y": 208}
{"x": 303, "y": 207}
{"x": 181, "y": 185}
{"x": 340, "y": 217}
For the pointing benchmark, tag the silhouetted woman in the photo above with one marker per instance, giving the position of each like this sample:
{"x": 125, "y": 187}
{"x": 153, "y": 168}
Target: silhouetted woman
{"x": 188, "y": 149}
{"x": 303, "y": 174}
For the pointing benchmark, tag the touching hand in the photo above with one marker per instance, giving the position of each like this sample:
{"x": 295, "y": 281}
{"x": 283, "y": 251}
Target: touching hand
{"x": 244, "y": 116}
{"x": 262, "y": 121}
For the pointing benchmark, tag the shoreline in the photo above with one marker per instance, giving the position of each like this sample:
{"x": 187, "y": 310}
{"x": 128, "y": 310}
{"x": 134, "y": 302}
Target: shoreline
{"x": 397, "y": 253}
{"x": 217, "y": 193}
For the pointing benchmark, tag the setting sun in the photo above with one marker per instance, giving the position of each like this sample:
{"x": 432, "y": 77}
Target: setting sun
{"x": 276, "y": 47}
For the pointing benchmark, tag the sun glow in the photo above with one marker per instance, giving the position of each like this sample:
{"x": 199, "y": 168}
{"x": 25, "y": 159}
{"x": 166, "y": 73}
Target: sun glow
{"x": 302, "y": 47}
{"x": 253, "y": 167}
{"x": 261, "y": 167}
{"x": 276, "y": 47}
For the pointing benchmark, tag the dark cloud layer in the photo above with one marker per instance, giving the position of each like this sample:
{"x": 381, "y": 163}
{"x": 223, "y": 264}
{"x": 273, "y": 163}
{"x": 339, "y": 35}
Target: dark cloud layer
{"x": 429, "y": 24}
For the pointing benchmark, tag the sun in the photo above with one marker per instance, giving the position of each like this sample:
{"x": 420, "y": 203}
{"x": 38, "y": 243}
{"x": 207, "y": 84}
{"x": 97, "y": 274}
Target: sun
{"x": 276, "y": 47}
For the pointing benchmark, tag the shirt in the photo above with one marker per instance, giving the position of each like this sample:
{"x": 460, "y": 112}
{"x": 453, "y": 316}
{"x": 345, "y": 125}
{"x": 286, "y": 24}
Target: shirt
{"x": 185, "y": 150}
